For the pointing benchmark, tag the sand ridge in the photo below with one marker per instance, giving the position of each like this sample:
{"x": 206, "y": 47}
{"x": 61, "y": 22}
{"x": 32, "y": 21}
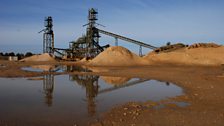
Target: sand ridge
{"x": 117, "y": 56}
{"x": 201, "y": 55}
{"x": 41, "y": 57}
{"x": 196, "y": 54}
{"x": 190, "y": 56}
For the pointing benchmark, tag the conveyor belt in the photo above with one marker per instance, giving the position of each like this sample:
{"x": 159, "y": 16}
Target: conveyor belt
{"x": 127, "y": 39}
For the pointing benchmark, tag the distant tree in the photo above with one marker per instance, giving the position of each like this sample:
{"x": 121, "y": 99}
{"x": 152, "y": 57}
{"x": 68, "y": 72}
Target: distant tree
{"x": 19, "y": 55}
{"x": 11, "y": 54}
{"x": 1, "y": 54}
{"x": 28, "y": 54}
{"x": 22, "y": 55}
{"x": 168, "y": 43}
{"x": 6, "y": 54}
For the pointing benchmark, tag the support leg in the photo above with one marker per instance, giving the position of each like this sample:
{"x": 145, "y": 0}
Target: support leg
{"x": 140, "y": 51}
{"x": 116, "y": 41}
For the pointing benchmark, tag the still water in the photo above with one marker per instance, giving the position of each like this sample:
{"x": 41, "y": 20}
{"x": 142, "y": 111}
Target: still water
{"x": 73, "y": 99}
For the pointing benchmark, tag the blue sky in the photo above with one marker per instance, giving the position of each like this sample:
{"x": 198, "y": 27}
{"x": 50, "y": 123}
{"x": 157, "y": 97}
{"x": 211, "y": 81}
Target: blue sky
{"x": 152, "y": 21}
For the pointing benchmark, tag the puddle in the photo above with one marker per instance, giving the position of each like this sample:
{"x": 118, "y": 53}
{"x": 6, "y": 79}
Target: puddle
{"x": 43, "y": 68}
{"x": 178, "y": 104}
{"x": 31, "y": 69}
{"x": 181, "y": 104}
{"x": 35, "y": 78}
{"x": 54, "y": 68}
{"x": 66, "y": 99}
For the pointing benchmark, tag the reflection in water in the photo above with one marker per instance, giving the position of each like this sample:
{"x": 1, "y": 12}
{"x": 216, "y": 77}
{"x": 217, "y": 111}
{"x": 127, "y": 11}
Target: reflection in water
{"x": 131, "y": 83}
{"x": 44, "y": 67}
{"x": 115, "y": 80}
{"x": 90, "y": 83}
{"x": 63, "y": 97}
{"x": 167, "y": 83}
{"x": 48, "y": 87}
{"x": 77, "y": 68}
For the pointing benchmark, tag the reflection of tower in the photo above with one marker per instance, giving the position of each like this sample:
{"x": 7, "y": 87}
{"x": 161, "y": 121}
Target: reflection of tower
{"x": 90, "y": 83}
{"x": 167, "y": 83}
{"x": 91, "y": 92}
{"x": 48, "y": 87}
{"x": 48, "y": 36}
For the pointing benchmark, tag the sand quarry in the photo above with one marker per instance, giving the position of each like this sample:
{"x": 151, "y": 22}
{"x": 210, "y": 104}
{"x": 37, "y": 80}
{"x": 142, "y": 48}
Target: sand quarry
{"x": 197, "y": 68}
{"x": 192, "y": 55}
{"x": 196, "y": 54}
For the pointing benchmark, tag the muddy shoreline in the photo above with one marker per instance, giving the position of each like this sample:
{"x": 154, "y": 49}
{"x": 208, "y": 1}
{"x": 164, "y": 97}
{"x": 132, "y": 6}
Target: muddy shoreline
{"x": 203, "y": 88}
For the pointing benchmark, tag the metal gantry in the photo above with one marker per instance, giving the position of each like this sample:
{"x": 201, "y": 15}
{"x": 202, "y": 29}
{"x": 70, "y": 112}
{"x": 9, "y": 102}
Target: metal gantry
{"x": 88, "y": 45}
{"x": 48, "y": 36}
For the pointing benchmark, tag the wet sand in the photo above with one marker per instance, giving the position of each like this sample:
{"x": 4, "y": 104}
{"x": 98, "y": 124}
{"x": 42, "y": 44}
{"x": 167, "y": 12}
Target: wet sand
{"x": 203, "y": 87}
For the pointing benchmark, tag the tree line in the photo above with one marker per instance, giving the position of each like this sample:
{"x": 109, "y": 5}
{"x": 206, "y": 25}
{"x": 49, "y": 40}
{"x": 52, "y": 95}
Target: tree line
{"x": 19, "y": 55}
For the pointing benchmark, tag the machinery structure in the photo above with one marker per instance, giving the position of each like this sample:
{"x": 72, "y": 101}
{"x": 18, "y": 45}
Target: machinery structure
{"x": 48, "y": 36}
{"x": 88, "y": 45}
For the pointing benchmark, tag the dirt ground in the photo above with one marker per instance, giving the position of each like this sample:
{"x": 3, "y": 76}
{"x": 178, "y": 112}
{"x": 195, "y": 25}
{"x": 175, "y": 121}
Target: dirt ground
{"x": 203, "y": 87}
{"x": 203, "y": 91}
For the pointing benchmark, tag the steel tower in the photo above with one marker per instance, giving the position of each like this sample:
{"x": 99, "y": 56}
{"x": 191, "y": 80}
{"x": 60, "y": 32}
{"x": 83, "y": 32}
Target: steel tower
{"x": 92, "y": 35}
{"x": 48, "y": 36}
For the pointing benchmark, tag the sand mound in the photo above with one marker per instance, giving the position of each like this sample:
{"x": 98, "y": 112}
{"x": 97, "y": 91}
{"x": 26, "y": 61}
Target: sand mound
{"x": 117, "y": 56}
{"x": 197, "y": 56}
{"x": 169, "y": 48}
{"x": 42, "y": 57}
{"x": 115, "y": 80}
{"x": 203, "y": 45}
{"x": 82, "y": 61}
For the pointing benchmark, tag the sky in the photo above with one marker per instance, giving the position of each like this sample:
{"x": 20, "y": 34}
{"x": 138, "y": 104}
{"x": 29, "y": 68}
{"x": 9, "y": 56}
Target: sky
{"x": 154, "y": 22}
